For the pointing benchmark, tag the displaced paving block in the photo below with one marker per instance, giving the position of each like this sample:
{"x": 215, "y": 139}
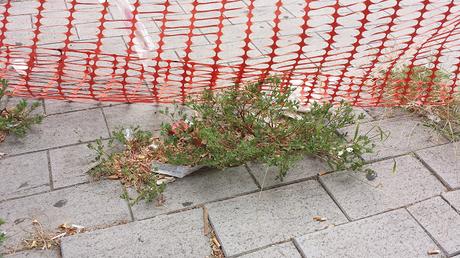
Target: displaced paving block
{"x": 440, "y": 221}
{"x": 54, "y": 253}
{"x": 177, "y": 235}
{"x": 305, "y": 168}
{"x": 286, "y": 250}
{"x": 69, "y": 165}
{"x": 453, "y": 198}
{"x": 260, "y": 219}
{"x": 392, "y": 234}
{"x": 90, "y": 205}
{"x": 359, "y": 197}
{"x": 146, "y": 116}
{"x": 405, "y": 135}
{"x": 202, "y": 186}
{"x": 445, "y": 161}
{"x": 24, "y": 175}
{"x": 59, "y": 130}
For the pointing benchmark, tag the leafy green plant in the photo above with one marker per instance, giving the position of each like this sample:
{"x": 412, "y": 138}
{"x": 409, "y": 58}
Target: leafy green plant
{"x": 246, "y": 124}
{"x": 2, "y": 234}
{"x": 18, "y": 119}
{"x": 231, "y": 128}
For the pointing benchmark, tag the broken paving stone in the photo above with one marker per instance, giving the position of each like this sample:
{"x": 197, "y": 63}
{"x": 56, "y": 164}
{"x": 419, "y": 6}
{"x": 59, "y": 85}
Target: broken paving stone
{"x": 358, "y": 197}
{"x": 391, "y": 234}
{"x": 175, "y": 235}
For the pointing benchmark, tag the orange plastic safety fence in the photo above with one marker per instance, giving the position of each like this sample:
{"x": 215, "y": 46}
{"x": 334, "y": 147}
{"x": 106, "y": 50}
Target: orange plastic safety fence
{"x": 166, "y": 50}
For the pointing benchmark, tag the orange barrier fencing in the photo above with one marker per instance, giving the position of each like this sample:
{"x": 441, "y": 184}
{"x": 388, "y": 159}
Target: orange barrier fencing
{"x": 163, "y": 51}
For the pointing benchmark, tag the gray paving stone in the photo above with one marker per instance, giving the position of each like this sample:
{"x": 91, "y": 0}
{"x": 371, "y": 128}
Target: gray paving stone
{"x": 36, "y": 254}
{"x": 385, "y": 112}
{"x": 361, "y": 111}
{"x": 90, "y": 205}
{"x": 305, "y": 168}
{"x": 24, "y": 175}
{"x": 62, "y": 106}
{"x": 406, "y": 134}
{"x": 453, "y": 198}
{"x": 13, "y": 101}
{"x": 287, "y": 250}
{"x": 176, "y": 235}
{"x": 256, "y": 220}
{"x": 69, "y": 165}
{"x": 360, "y": 197}
{"x": 392, "y": 234}
{"x": 202, "y": 186}
{"x": 445, "y": 161}
{"x": 59, "y": 130}
{"x": 441, "y": 221}
{"x": 143, "y": 115}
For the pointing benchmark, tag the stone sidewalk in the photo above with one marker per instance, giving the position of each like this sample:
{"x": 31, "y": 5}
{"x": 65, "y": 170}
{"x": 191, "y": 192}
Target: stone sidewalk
{"x": 404, "y": 214}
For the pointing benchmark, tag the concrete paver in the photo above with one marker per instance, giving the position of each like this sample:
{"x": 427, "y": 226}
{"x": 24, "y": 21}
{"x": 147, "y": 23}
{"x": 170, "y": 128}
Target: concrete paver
{"x": 286, "y": 250}
{"x": 90, "y": 205}
{"x": 360, "y": 197}
{"x": 406, "y": 134}
{"x": 202, "y": 186}
{"x": 305, "y": 168}
{"x": 259, "y": 219}
{"x": 69, "y": 165}
{"x": 176, "y": 235}
{"x": 445, "y": 161}
{"x": 59, "y": 130}
{"x": 24, "y": 175}
{"x": 392, "y": 234}
{"x": 144, "y": 115}
{"x": 453, "y": 198}
{"x": 440, "y": 221}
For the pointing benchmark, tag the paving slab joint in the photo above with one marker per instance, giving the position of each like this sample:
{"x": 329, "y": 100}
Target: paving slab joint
{"x": 428, "y": 233}
{"x": 432, "y": 171}
{"x": 334, "y": 200}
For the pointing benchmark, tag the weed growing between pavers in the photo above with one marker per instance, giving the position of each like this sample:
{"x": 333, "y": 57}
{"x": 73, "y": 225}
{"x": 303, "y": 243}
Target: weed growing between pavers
{"x": 236, "y": 126}
{"x": 43, "y": 239}
{"x": 16, "y": 120}
{"x": 2, "y": 235}
{"x": 422, "y": 86}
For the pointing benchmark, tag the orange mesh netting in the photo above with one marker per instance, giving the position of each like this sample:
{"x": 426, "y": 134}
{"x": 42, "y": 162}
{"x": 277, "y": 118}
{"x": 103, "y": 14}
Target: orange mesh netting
{"x": 166, "y": 50}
